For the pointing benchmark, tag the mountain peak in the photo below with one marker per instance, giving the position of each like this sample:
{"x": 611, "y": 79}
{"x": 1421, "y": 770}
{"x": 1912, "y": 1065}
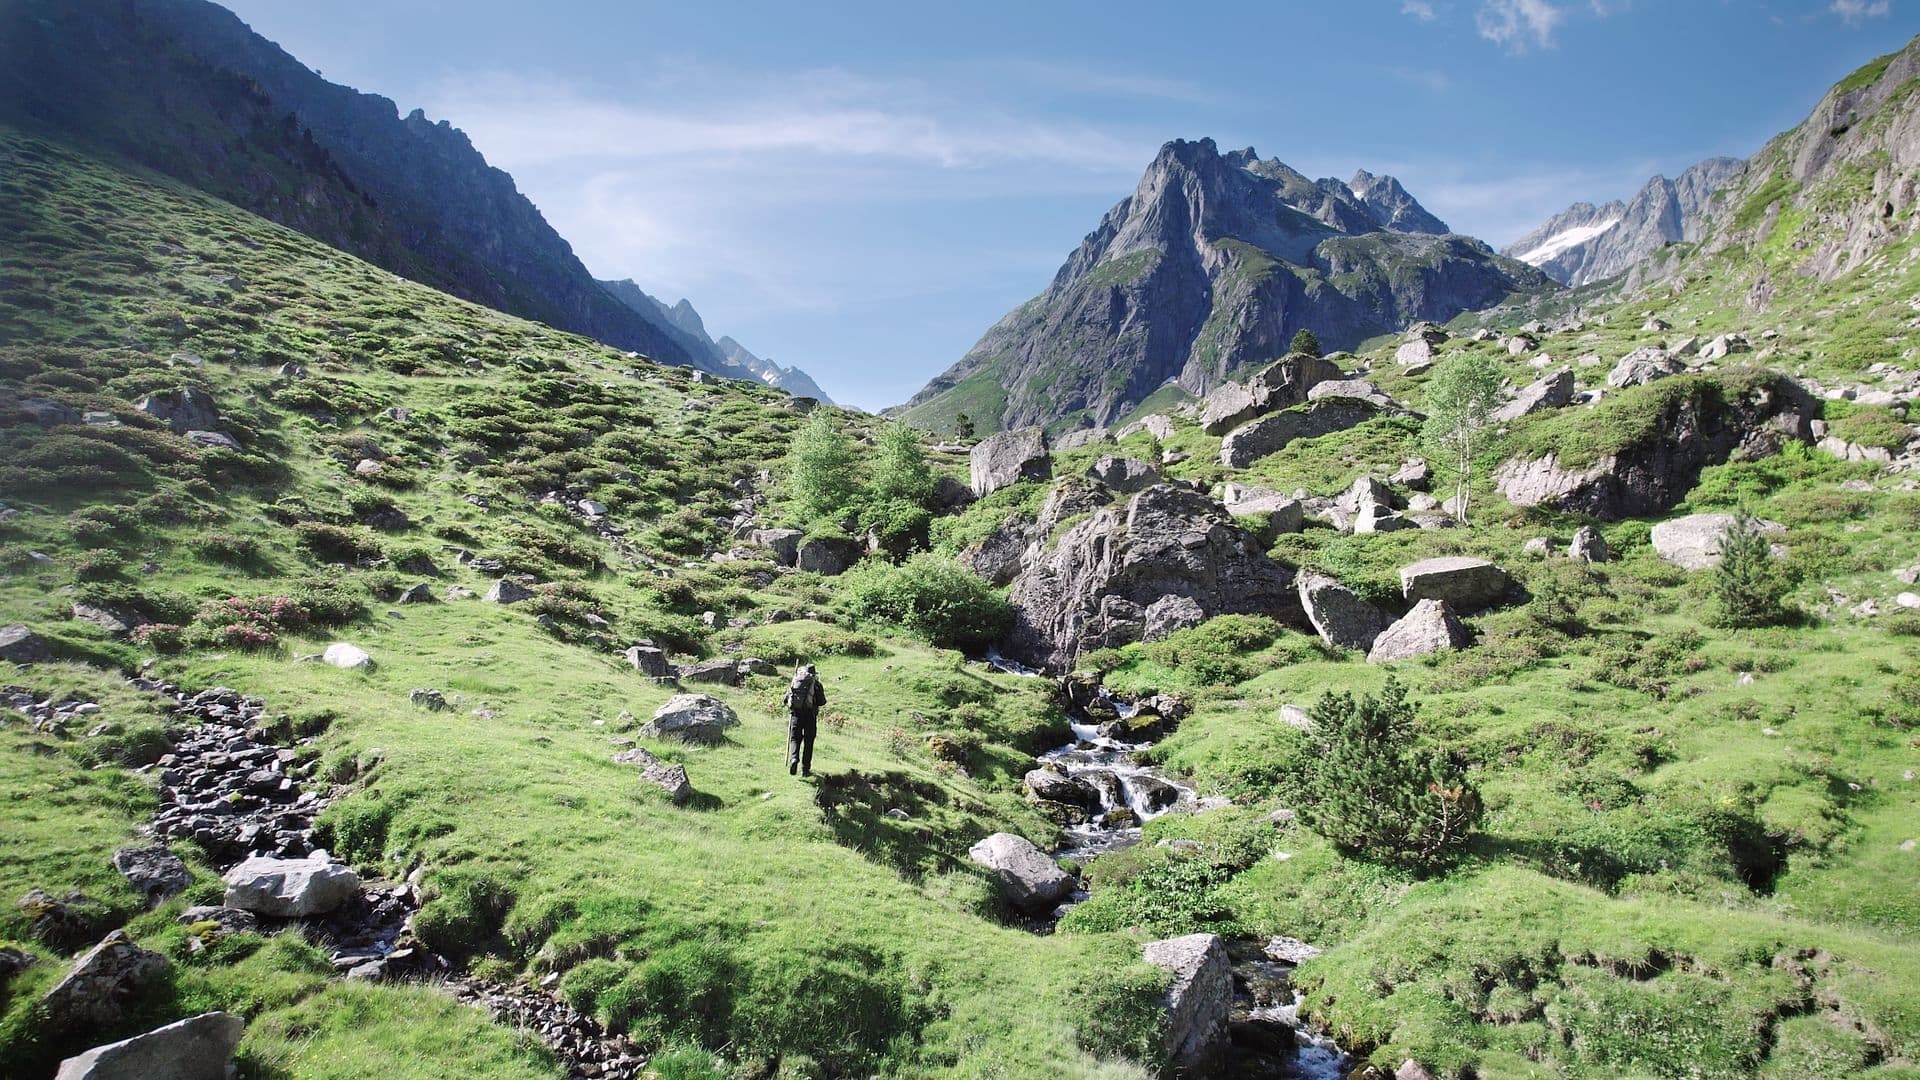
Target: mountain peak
{"x": 1391, "y": 203}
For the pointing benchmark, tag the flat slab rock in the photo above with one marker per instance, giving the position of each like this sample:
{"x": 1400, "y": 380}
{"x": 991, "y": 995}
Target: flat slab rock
{"x": 1693, "y": 542}
{"x": 197, "y": 1048}
{"x": 1466, "y": 584}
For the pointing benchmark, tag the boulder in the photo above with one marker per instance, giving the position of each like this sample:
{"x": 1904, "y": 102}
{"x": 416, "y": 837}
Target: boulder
{"x": 1158, "y": 425}
{"x": 101, "y": 984}
{"x": 153, "y": 871}
{"x": 1074, "y": 440}
{"x": 1029, "y": 878}
{"x": 183, "y": 410}
{"x": 1169, "y": 615}
{"x": 1722, "y": 346}
{"x": 784, "y": 543}
{"x": 1280, "y": 385}
{"x": 1643, "y": 365}
{"x": 508, "y": 591}
{"x": 649, "y": 661}
{"x": 1337, "y": 613}
{"x": 426, "y": 697}
{"x": 1374, "y": 518}
{"x": 47, "y": 412}
{"x": 350, "y": 657}
{"x": 1551, "y": 391}
{"x": 420, "y": 592}
{"x": 1095, "y": 587}
{"x": 951, "y": 494}
{"x": 1693, "y": 542}
{"x": 1199, "y": 1000}
{"x": 1414, "y": 474}
{"x": 1252, "y": 441}
{"x": 1702, "y": 421}
{"x": 197, "y": 1048}
{"x": 828, "y": 556}
{"x": 1429, "y": 628}
{"x": 692, "y": 718}
{"x": 213, "y": 440}
{"x": 1008, "y": 458}
{"x": 1124, "y": 475}
{"x": 1588, "y": 546}
{"x": 20, "y": 645}
{"x": 1467, "y": 584}
{"x": 1352, "y": 388}
{"x": 1284, "y": 513}
{"x": 1519, "y": 344}
{"x": 721, "y": 672}
{"x": 1059, "y": 787}
{"x": 291, "y": 888}
{"x": 113, "y": 622}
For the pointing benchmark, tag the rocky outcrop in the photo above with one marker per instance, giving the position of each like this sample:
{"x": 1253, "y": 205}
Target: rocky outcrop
{"x": 1551, "y": 391}
{"x": 1693, "y": 542}
{"x": 1209, "y": 268}
{"x": 290, "y": 888}
{"x": 691, "y": 718}
{"x": 197, "y": 1048}
{"x": 1677, "y": 427}
{"x": 1199, "y": 1000}
{"x": 1429, "y": 628}
{"x": 1116, "y": 574}
{"x": 828, "y": 556}
{"x": 1029, "y": 879}
{"x": 1337, "y": 613}
{"x": 1282, "y": 384}
{"x": 1250, "y": 442}
{"x": 1586, "y": 242}
{"x": 1467, "y": 584}
{"x": 1123, "y": 475}
{"x": 1008, "y": 458}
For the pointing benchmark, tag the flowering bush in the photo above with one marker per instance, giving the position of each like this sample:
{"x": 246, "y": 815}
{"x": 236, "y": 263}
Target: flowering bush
{"x": 160, "y": 637}
{"x": 245, "y": 622}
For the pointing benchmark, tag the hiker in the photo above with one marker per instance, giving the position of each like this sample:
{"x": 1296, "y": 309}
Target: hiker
{"x": 804, "y": 698}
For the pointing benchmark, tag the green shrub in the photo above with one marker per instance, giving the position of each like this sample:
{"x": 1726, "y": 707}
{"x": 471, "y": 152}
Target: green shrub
{"x": 98, "y": 565}
{"x": 337, "y": 543}
{"x": 1222, "y": 651}
{"x": 931, "y": 596}
{"x": 229, "y": 548}
{"x": 1370, "y": 789}
{"x": 1748, "y": 586}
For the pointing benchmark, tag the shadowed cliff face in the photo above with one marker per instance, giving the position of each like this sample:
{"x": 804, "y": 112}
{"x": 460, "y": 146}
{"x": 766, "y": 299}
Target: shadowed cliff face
{"x": 185, "y": 88}
{"x": 1213, "y": 263}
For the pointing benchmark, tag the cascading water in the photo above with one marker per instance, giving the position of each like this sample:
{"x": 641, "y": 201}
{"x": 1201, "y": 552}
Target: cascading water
{"x": 1130, "y": 794}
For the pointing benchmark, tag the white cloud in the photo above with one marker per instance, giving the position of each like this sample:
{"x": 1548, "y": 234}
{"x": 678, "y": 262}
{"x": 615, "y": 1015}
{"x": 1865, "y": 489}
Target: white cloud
{"x": 1517, "y": 25}
{"x": 1419, "y": 9}
{"x": 1856, "y": 12}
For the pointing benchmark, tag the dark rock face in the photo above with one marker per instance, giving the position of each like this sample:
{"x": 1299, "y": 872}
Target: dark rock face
{"x": 1586, "y": 242}
{"x": 1210, "y": 267}
{"x": 155, "y": 871}
{"x": 1706, "y": 425}
{"x": 1252, "y": 441}
{"x": 1172, "y": 556}
{"x": 103, "y": 983}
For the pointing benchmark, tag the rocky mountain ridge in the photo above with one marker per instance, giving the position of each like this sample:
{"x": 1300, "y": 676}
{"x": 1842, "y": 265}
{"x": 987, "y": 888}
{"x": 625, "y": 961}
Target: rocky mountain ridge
{"x": 1211, "y": 265}
{"x": 1586, "y": 243}
{"x": 723, "y": 357}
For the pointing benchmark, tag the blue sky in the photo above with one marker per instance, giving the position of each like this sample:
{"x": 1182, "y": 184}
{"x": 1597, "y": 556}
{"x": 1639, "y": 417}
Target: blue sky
{"x": 863, "y": 188}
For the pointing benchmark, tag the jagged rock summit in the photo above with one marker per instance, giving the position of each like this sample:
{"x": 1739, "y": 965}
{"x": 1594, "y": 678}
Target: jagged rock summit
{"x": 1585, "y": 242}
{"x": 723, "y": 357}
{"x": 1208, "y": 268}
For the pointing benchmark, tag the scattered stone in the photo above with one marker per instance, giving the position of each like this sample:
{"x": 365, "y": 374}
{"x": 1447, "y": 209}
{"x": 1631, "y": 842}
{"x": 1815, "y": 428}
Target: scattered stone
{"x": 1720, "y": 347}
{"x": 291, "y": 888}
{"x": 1199, "y": 1001}
{"x": 154, "y": 871}
{"x": 1643, "y": 365}
{"x": 1008, "y": 458}
{"x": 113, "y": 622}
{"x": 508, "y": 591}
{"x": 1519, "y": 344}
{"x": 420, "y": 593}
{"x": 197, "y": 1048}
{"x": 1374, "y": 518}
{"x": 20, "y": 645}
{"x": 340, "y": 654}
{"x": 1693, "y": 542}
{"x": 1467, "y": 584}
{"x": 1588, "y": 546}
{"x": 1283, "y": 513}
{"x": 649, "y": 661}
{"x": 693, "y": 718}
{"x": 101, "y": 984}
{"x": 1414, "y": 474}
{"x": 1429, "y": 628}
{"x": 427, "y": 698}
{"x": 1029, "y": 879}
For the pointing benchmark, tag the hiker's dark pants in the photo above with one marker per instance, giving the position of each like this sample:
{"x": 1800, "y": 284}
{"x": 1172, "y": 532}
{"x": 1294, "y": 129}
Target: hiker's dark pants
{"x": 801, "y": 728}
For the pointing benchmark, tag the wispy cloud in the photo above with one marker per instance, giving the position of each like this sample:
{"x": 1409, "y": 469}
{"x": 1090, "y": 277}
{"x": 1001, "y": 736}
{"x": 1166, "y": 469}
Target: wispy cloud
{"x": 1517, "y": 25}
{"x": 1856, "y": 12}
{"x": 1419, "y": 9}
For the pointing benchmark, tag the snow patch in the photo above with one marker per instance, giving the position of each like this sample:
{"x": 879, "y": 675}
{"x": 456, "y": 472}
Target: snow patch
{"x": 1564, "y": 239}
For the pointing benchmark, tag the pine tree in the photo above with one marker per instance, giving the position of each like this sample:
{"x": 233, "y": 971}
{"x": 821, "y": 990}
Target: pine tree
{"x": 1305, "y": 342}
{"x": 821, "y": 478}
{"x": 963, "y": 426}
{"x": 1747, "y": 584}
{"x": 1461, "y": 399}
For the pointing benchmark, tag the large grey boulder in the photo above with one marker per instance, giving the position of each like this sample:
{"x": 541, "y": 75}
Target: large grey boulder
{"x": 650, "y": 661}
{"x": 1281, "y": 384}
{"x": 724, "y": 671}
{"x": 19, "y": 644}
{"x": 508, "y": 591}
{"x": 1643, "y": 365}
{"x": 1724, "y": 345}
{"x": 1252, "y": 441}
{"x": 828, "y": 556}
{"x": 1029, "y": 878}
{"x": 1158, "y": 425}
{"x": 291, "y": 888}
{"x": 692, "y": 718}
{"x": 1337, "y": 613}
{"x": 1170, "y": 545}
{"x": 347, "y": 656}
{"x": 1359, "y": 389}
{"x": 1008, "y": 458}
{"x": 1124, "y": 475}
{"x": 1551, "y": 391}
{"x": 1467, "y": 584}
{"x": 101, "y": 984}
{"x": 1693, "y": 542}
{"x": 1059, "y": 787}
{"x": 183, "y": 410}
{"x": 1199, "y": 1000}
{"x": 1282, "y": 513}
{"x": 1079, "y": 437}
{"x": 784, "y": 543}
{"x": 1429, "y": 628}
{"x": 154, "y": 871}
{"x": 1588, "y": 546}
{"x": 197, "y": 1048}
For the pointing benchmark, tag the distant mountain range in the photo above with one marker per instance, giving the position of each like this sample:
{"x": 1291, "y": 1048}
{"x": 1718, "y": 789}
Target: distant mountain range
{"x": 1211, "y": 265}
{"x": 725, "y": 356}
{"x": 187, "y": 89}
{"x": 1586, "y": 243}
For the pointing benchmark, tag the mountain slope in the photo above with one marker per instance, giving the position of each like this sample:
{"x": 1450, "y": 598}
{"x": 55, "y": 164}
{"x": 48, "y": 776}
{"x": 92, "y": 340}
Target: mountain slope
{"x": 1392, "y": 206}
{"x": 184, "y": 87}
{"x": 1213, "y": 263}
{"x": 726, "y": 356}
{"x": 1585, "y": 243}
